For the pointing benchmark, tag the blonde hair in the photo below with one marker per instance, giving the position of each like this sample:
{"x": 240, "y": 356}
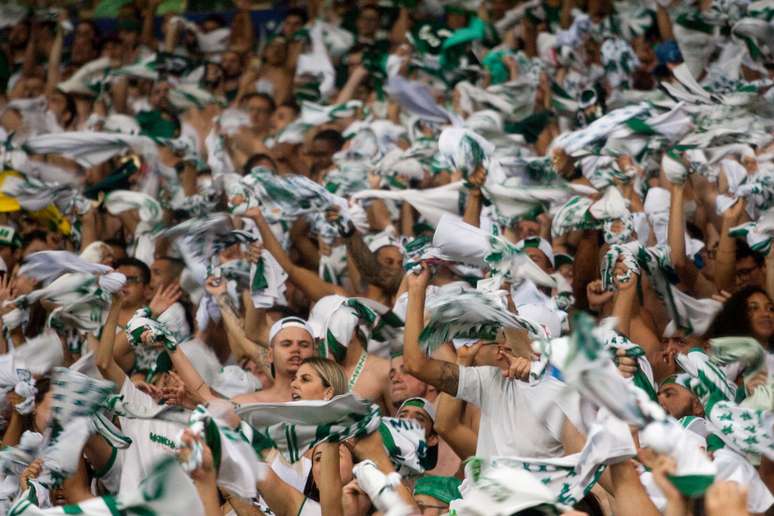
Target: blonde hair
{"x": 331, "y": 374}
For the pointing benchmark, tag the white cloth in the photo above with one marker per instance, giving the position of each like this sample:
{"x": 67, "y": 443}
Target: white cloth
{"x": 152, "y": 439}
{"x": 517, "y": 418}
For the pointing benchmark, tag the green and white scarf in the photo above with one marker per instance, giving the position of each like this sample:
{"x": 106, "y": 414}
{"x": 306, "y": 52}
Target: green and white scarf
{"x": 745, "y": 430}
{"x": 336, "y": 318}
{"x": 150, "y": 359}
{"x": 47, "y": 266}
{"x": 295, "y": 427}
{"x": 167, "y": 490}
{"x": 237, "y": 465}
{"x": 15, "y": 377}
{"x": 90, "y": 148}
{"x": 150, "y": 213}
{"x": 404, "y": 440}
{"x": 569, "y": 478}
{"x": 472, "y": 314}
{"x": 705, "y": 379}
{"x": 695, "y": 471}
{"x": 465, "y": 150}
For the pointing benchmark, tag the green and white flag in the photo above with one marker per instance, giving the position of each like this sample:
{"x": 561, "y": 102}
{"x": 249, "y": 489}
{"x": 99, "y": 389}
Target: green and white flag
{"x": 705, "y": 379}
{"x": 237, "y": 465}
{"x": 745, "y": 430}
{"x": 569, "y": 479}
{"x": 90, "y": 148}
{"x": 465, "y": 150}
{"x": 695, "y": 470}
{"x": 150, "y": 358}
{"x": 295, "y": 427}
{"x": 335, "y": 320}
{"x": 404, "y": 440}
{"x": 167, "y": 490}
{"x": 472, "y": 314}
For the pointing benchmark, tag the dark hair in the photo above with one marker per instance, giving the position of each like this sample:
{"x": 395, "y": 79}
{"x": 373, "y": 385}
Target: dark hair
{"x": 733, "y": 320}
{"x": 118, "y": 242}
{"x": 694, "y": 231}
{"x": 298, "y": 11}
{"x": 257, "y": 94}
{"x": 253, "y": 161}
{"x": 218, "y": 19}
{"x": 43, "y": 385}
{"x": 176, "y": 263}
{"x": 139, "y": 264}
{"x": 370, "y": 7}
{"x": 745, "y": 251}
{"x": 292, "y": 104}
{"x": 36, "y": 234}
{"x": 590, "y": 505}
{"x": 331, "y": 135}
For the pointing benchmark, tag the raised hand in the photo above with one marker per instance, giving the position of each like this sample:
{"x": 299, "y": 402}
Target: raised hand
{"x": 206, "y": 470}
{"x": 626, "y": 366}
{"x": 419, "y": 280}
{"x": 726, "y": 498}
{"x": 215, "y": 286}
{"x": 597, "y": 295}
{"x": 32, "y": 471}
{"x": 253, "y": 252}
{"x": 518, "y": 367}
{"x": 164, "y": 298}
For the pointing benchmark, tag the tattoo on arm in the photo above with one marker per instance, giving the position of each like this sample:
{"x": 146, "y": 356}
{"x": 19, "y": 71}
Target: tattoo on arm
{"x": 449, "y": 378}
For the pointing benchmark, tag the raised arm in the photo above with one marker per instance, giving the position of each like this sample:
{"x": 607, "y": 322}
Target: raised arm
{"x": 444, "y": 376}
{"x": 448, "y": 422}
{"x": 473, "y": 203}
{"x": 306, "y": 280}
{"x": 242, "y": 28}
{"x": 146, "y": 38}
{"x": 623, "y": 304}
{"x": 104, "y": 355}
{"x": 240, "y": 344}
{"x": 725, "y": 265}
{"x": 55, "y": 57}
{"x": 330, "y": 484}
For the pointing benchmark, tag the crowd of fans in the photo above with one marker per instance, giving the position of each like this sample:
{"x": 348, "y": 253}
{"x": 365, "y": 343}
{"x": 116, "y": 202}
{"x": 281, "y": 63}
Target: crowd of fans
{"x": 476, "y": 257}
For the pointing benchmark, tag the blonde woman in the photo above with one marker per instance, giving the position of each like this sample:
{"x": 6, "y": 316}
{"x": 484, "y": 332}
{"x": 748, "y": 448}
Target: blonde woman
{"x": 318, "y": 379}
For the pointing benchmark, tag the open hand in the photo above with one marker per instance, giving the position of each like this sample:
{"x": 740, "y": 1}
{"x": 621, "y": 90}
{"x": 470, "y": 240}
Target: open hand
{"x": 164, "y": 298}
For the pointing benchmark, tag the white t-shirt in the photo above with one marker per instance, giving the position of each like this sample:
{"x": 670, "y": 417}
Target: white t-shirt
{"x": 517, "y": 419}
{"x": 151, "y": 439}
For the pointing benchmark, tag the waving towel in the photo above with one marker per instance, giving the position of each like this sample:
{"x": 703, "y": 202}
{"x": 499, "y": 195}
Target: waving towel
{"x": 294, "y": 428}
{"x": 90, "y": 148}
{"x": 167, "y": 490}
{"x": 335, "y": 319}
{"x": 234, "y": 459}
{"x": 404, "y": 440}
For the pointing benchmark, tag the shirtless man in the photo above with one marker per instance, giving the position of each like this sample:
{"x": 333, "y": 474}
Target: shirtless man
{"x": 290, "y": 342}
{"x": 368, "y": 376}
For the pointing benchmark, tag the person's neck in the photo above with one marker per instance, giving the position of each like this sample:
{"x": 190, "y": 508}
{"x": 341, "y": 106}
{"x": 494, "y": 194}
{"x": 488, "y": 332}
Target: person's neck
{"x": 377, "y": 294}
{"x": 281, "y": 385}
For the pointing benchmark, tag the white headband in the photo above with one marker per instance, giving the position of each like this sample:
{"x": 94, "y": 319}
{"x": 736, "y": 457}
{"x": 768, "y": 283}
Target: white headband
{"x": 289, "y": 322}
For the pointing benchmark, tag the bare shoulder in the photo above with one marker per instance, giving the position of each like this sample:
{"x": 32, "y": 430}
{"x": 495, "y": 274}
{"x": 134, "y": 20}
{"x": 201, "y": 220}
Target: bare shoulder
{"x": 257, "y": 397}
{"x": 378, "y": 365}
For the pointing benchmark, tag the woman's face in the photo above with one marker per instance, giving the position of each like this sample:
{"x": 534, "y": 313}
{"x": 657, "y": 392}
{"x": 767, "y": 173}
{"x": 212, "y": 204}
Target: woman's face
{"x": 308, "y": 385}
{"x": 345, "y": 464}
{"x": 759, "y": 310}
